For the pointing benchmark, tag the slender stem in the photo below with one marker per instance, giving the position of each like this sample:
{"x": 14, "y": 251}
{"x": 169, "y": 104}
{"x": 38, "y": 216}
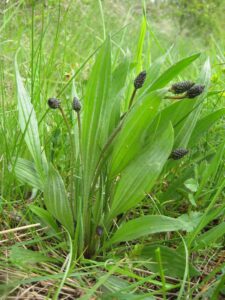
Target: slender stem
{"x": 104, "y": 150}
{"x": 175, "y": 97}
{"x": 72, "y": 158}
{"x": 79, "y": 129}
{"x": 132, "y": 98}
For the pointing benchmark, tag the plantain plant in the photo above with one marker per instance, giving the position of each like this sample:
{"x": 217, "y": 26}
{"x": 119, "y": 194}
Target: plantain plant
{"x": 122, "y": 145}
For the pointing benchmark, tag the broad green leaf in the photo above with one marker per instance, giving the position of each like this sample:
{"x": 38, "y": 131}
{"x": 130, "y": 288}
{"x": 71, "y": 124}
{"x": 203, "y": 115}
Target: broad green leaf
{"x": 26, "y": 172}
{"x": 56, "y": 200}
{"x": 28, "y": 122}
{"x": 172, "y": 72}
{"x": 96, "y": 115}
{"x": 203, "y": 125}
{"x": 45, "y": 216}
{"x": 146, "y": 225}
{"x": 173, "y": 262}
{"x": 208, "y": 238}
{"x": 183, "y": 136}
{"x": 140, "y": 175}
{"x": 131, "y": 138}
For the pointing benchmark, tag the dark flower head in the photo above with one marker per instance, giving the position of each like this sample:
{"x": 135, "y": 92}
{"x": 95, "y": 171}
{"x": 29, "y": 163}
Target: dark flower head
{"x": 195, "y": 91}
{"x": 76, "y": 104}
{"x": 139, "y": 80}
{"x": 178, "y": 153}
{"x": 53, "y": 103}
{"x": 181, "y": 87}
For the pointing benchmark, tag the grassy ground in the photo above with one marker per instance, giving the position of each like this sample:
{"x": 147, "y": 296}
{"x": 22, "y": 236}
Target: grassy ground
{"x": 56, "y": 46}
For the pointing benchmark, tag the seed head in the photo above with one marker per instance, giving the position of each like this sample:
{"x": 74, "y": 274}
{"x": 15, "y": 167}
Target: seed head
{"x": 76, "y": 104}
{"x": 53, "y": 103}
{"x": 195, "y": 91}
{"x": 99, "y": 230}
{"x": 139, "y": 80}
{"x": 178, "y": 153}
{"x": 181, "y": 87}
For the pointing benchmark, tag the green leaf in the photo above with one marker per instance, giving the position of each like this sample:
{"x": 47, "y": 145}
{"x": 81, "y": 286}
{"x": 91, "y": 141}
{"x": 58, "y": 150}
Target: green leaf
{"x": 153, "y": 72}
{"x": 119, "y": 77}
{"x": 146, "y": 225}
{"x": 203, "y": 125}
{"x": 209, "y": 237}
{"x": 192, "y": 219}
{"x": 140, "y": 175}
{"x": 45, "y": 216}
{"x": 56, "y": 200}
{"x": 25, "y": 257}
{"x": 172, "y": 72}
{"x": 191, "y": 184}
{"x": 140, "y": 44}
{"x": 172, "y": 261}
{"x": 26, "y": 172}
{"x": 28, "y": 122}
{"x": 96, "y": 114}
{"x": 131, "y": 138}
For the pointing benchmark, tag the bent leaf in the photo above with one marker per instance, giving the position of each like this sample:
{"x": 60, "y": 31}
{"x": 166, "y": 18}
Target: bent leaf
{"x": 171, "y": 72}
{"x": 146, "y": 225}
{"x": 26, "y": 172}
{"x": 45, "y": 216}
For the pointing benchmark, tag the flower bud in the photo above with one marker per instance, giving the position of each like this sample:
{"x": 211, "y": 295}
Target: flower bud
{"x": 76, "y": 104}
{"x": 181, "y": 87}
{"x": 139, "y": 80}
{"x": 99, "y": 230}
{"x": 53, "y": 103}
{"x": 195, "y": 91}
{"x": 178, "y": 153}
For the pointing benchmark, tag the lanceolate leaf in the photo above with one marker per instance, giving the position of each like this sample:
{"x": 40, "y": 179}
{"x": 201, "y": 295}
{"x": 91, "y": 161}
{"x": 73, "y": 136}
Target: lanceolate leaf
{"x": 154, "y": 71}
{"x": 56, "y": 200}
{"x": 28, "y": 121}
{"x": 130, "y": 139}
{"x": 172, "y": 72}
{"x": 96, "y": 115}
{"x": 139, "y": 176}
{"x": 146, "y": 225}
